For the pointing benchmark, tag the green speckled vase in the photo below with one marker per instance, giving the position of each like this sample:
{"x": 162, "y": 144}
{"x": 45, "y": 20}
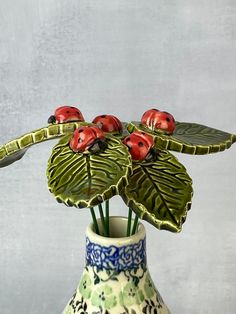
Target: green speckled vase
{"x": 116, "y": 279}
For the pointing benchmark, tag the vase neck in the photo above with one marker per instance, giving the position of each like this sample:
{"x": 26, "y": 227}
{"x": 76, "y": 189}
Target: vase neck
{"x": 117, "y": 253}
{"x": 112, "y": 257}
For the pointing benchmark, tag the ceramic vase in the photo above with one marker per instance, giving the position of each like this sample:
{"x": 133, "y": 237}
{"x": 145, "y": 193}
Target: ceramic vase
{"x": 116, "y": 279}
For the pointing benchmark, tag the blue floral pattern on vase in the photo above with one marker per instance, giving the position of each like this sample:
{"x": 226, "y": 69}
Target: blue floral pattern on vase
{"x": 116, "y": 258}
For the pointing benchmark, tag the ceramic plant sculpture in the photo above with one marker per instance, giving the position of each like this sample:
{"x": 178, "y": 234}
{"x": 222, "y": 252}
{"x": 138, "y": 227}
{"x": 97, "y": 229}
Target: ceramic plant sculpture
{"x": 93, "y": 162}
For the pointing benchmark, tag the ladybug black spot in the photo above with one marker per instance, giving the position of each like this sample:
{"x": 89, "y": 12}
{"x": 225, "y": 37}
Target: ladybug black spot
{"x": 103, "y": 116}
{"x": 140, "y": 144}
{"x": 168, "y": 119}
{"x": 67, "y": 111}
{"x": 81, "y": 130}
{"x": 143, "y": 133}
{"x": 128, "y": 139}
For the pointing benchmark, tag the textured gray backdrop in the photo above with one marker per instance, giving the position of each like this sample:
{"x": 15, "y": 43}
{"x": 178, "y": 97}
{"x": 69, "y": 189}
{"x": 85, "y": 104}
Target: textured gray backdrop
{"x": 119, "y": 57}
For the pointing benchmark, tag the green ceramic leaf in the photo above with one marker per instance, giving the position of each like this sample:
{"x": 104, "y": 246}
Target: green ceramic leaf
{"x": 160, "y": 192}
{"x": 189, "y": 138}
{"x": 85, "y": 180}
{"x": 15, "y": 149}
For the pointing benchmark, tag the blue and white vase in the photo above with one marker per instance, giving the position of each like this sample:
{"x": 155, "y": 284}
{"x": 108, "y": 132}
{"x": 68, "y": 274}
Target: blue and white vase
{"x": 116, "y": 279}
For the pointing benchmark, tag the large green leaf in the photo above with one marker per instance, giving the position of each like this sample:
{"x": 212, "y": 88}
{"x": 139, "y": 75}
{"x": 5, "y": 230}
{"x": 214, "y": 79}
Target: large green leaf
{"x": 15, "y": 149}
{"x": 85, "y": 180}
{"x": 160, "y": 192}
{"x": 189, "y": 138}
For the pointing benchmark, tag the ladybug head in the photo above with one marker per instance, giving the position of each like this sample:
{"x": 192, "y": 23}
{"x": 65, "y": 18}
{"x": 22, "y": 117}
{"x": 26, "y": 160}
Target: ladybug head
{"x": 52, "y": 119}
{"x": 99, "y": 145}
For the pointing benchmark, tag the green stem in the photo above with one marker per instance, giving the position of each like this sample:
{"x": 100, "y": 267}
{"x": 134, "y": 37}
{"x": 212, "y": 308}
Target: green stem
{"x": 129, "y": 222}
{"x": 94, "y": 220}
{"x": 135, "y": 224}
{"x": 102, "y": 219}
{"x": 107, "y": 218}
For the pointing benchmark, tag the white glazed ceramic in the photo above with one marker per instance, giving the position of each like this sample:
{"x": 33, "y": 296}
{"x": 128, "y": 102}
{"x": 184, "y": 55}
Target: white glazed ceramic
{"x": 116, "y": 279}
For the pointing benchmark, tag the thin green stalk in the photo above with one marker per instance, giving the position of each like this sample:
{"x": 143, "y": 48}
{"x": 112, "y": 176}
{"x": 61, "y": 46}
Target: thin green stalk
{"x": 107, "y": 218}
{"x": 135, "y": 224}
{"x": 129, "y": 222}
{"x": 94, "y": 220}
{"x": 102, "y": 219}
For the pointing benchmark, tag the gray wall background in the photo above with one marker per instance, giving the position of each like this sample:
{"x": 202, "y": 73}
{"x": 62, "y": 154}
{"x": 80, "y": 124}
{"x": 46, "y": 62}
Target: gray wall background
{"x": 119, "y": 57}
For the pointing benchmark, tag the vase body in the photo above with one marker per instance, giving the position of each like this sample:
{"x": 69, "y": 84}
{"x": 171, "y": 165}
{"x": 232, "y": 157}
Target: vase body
{"x": 116, "y": 279}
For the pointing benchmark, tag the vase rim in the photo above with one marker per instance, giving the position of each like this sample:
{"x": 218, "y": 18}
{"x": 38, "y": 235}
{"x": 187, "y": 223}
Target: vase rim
{"x": 117, "y": 241}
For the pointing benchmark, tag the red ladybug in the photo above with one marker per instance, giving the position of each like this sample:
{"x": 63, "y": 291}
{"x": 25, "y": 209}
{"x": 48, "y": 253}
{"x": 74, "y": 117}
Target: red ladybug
{"x": 140, "y": 146}
{"x": 159, "y": 120}
{"x": 66, "y": 114}
{"x": 88, "y": 138}
{"x": 108, "y": 123}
